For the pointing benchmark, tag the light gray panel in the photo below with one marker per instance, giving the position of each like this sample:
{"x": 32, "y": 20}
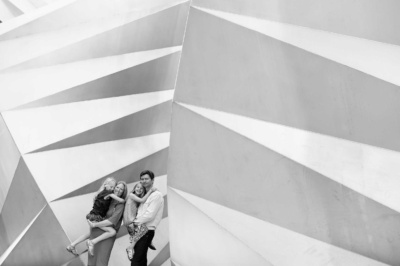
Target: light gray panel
{"x": 23, "y": 203}
{"x": 150, "y": 121}
{"x": 261, "y": 77}
{"x": 214, "y": 163}
{"x": 161, "y": 257}
{"x": 156, "y": 75}
{"x": 8, "y": 11}
{"x": 160, "y": 30}
{"x": 43, "y": 244}
{"x": 371, "y": 19}
{"x": 9, "y": 157}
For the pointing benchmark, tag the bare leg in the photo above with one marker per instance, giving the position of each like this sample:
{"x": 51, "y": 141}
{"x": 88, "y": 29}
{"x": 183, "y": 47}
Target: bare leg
{"x": 80, "y": 239}
{"x": 71, "y": 247}
{"x": 109, "y": 232}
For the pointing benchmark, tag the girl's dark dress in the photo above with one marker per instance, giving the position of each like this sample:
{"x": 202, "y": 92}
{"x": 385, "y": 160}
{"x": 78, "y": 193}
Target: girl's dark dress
{"x": 100, "y": 207}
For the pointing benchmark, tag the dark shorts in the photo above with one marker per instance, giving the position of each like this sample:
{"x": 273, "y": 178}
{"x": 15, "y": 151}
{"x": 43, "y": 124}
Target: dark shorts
{"x": 94, "y": 217}
{"x": 136, "y": 231}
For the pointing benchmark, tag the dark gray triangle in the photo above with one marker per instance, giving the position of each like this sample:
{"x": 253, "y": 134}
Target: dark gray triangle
{"x": 150, "y": 121}
{"x": 24, "y": 201}
{"x": 155, "y": 75}
{"x": 43, "y": 244}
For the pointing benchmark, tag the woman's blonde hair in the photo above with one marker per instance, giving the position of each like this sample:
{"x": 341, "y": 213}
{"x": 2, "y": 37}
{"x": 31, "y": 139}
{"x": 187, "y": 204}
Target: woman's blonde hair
{"x": 125, "y": 192}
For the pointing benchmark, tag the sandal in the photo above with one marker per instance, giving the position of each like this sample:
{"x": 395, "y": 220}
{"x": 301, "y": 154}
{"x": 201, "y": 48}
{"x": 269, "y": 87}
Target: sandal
{"x": 129, "y": 253}
{"x": 71, "y": 249}
{"x": 90, "y": 246}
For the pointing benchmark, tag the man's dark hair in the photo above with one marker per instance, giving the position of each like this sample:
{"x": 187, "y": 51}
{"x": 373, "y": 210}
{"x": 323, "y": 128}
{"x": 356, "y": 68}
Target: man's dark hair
{"x": 147, "y": 172}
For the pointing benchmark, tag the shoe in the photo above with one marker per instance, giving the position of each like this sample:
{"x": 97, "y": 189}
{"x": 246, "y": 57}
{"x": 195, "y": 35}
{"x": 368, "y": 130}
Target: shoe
{"x": 71, "y": 249}
{"x": 90, "y": 246}
{"x": 151, "y": 246}
{"x": 129, "y": 253}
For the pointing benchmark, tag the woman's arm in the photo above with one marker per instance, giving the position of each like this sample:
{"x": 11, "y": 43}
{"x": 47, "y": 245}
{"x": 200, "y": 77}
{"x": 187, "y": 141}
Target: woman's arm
{"x": 120, "y": 200}
{"x": 112, "y": 220}
{"x": 145, "y": 197}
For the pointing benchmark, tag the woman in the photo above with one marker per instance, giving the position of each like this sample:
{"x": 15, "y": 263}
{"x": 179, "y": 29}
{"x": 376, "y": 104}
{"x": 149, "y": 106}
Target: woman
{"x": 102, "y": 250}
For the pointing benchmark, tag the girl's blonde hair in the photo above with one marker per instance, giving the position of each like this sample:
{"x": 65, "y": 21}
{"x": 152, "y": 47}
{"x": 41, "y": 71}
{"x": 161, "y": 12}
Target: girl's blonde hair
{"x": 143, "y": 193}
{"x": 108, "y": 180}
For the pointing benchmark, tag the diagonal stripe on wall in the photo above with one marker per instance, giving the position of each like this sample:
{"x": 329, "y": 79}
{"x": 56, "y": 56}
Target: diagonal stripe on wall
{"x": 276, "y": 244}
{"x": 18, "y": 86}
{"x": 354, "y": 52}
{"x": 183, "y": 218}
{"x": 62, "y": 171}
{"x": 50, "y": 124}
{"x": 371, "y": 171}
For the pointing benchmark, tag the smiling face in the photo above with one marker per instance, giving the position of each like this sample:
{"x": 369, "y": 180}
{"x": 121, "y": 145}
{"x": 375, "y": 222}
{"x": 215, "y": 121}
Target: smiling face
{"x": 119, "y": 190}
{"x": 139, "y": 189}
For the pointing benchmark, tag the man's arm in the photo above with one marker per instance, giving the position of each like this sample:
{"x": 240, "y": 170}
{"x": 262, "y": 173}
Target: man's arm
{"x": 151, "y": 210}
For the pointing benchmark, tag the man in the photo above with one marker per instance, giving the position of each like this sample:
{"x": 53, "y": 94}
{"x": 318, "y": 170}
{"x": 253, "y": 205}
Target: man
{"x": 149, "y": 213}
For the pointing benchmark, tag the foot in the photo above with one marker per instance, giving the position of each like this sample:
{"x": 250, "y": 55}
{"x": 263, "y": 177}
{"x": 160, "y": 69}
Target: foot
{"x": 71, "y": 249}
{"x": 90, "y": 246}
{"x": 129, "y": 253}
{"x": 151, "y": 246}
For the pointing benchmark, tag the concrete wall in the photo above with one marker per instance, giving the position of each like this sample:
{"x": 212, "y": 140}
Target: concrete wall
{"x": 85, "y": 94}
{"x": 284, "y": 141}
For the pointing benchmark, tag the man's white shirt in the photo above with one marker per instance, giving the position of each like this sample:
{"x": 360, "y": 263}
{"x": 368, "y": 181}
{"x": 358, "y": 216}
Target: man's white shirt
{"x": 150, "y": 212}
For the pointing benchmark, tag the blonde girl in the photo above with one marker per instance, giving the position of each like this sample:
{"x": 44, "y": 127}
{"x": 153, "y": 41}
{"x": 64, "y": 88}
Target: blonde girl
{"x": 138, "y": 195}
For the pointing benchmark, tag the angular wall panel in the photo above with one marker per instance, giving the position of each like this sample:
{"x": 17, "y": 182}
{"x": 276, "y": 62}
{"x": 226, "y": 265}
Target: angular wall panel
{"x": 283, "y": 247}
{"x": 169, "y": 24}
{"x": 372, "y": 19}
{"x": 62, "y": 171}
{"x": 43, "y": 244}
{"x": 155, "y": 75}
{"x": 191, "y": 232}
{"x": 297, "y": 88}
{"x": 371, "y": 171}
{"x": 58, "y": 15}
{"x": 9, "y": 157}
{"x": 156, "y": 161}
{"x": 68, "y": 71}
{"x": 54, "y": 123}
{"x": 149, "y": 121}
{"x": 83, "y": 80}
{"x": 305, "y": 67}
{"x": 24, "y": 201}
{"x": 275, "y": 189}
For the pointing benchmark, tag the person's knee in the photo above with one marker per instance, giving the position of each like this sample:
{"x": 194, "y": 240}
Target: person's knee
{"x": 112, "y": 232}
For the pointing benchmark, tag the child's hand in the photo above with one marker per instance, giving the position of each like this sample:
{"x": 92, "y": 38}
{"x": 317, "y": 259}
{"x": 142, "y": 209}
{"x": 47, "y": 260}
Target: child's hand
{"x": 107, "y": 197}
{"x": 90, "y": 224}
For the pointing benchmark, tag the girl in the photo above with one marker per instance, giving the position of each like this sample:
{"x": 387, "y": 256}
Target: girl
{"x": 102, "y": 201}
{"x": 138, "y": 195}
